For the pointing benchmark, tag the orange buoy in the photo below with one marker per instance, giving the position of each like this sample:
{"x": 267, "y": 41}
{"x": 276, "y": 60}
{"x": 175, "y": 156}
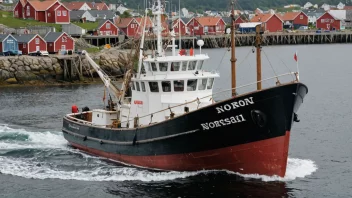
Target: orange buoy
{"x": 191, "y": 53}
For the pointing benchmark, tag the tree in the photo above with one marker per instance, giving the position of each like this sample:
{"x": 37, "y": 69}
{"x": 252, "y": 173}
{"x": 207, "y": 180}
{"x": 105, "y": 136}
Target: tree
{"x": 125, "y": 14}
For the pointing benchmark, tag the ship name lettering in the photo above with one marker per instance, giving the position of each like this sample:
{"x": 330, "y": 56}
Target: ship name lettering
{"x": 235, "y": 105}
{"x": 73, "y": 126}
{"x": 223, "y": 122}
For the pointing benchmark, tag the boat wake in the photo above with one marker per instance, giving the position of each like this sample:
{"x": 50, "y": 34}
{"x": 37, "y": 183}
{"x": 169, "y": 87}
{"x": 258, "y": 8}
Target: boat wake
{"x": 43, "y": 155}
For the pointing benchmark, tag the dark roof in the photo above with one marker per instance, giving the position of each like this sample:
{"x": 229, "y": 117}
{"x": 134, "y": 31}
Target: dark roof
{"x": 101, "y": 22}
{"x": 103, "y": 14}
{"x": 24, "y": 38}
{"x": 52, "y": 36}
{"x": 186, "y": 20}
{"x": 76, "y": 14}
{"x": 228, "y": 20}
{"x": 3, "y": 36}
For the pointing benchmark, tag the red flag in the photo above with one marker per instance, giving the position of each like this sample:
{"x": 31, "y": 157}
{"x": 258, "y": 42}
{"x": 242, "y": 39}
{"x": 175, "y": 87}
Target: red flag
{"x": 295, "y": 57}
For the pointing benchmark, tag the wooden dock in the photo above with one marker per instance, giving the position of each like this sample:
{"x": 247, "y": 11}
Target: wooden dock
{"x": 221, "y": 41}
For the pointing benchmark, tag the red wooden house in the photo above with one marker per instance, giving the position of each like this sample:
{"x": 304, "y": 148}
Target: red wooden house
{"x": 50, "y": 11}
{"x": 59, "y": 41}
{"x": 239, "y": 20}
{"x": 297, "y": 19}
{"x": 107, "y": 27}
{"x": 179, "y": 26}
{"x": 270, "y": 22}
{"x": 206, "y": 25}
{"x": 18, "y": 10}
{"x": 328, "y": 22}
{"x": 30, "y": 43}
{"x": 98, "y": 6}
{"x": 148, "y": 26}
{"x": 129, "y": 26}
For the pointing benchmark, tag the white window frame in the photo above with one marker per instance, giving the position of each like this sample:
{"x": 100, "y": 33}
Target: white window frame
{"x": 24, "y": 45}
{"x": 301, "y": 17}
{"x": 59, "y": 13}
{"x": 63, "y": 47}
{"x": 16, "y": 13}
{"x": 28, "y": 10}
{"x": 108, "y": 25}
{"x": 64, "y": 39}
{"x": 64, "y": 13}
{"x": 49, "y": 14}
{"x": 132, "y": 25}
{"x": 37, "y": 41}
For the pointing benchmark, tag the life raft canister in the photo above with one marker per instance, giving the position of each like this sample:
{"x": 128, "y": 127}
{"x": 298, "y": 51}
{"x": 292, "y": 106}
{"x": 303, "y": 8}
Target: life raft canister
{"x": 182, "y": 52}
{"x": 74, "y": 109}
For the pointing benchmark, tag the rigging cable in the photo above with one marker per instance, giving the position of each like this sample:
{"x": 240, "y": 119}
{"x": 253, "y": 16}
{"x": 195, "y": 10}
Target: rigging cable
{"x": 278, "y": 81}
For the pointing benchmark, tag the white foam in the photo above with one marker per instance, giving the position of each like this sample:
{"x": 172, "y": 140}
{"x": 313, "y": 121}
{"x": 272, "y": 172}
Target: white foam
{"x": 35, "y": 139}
{"x": 296, "y": 168}
{"x": 27, "y": 169}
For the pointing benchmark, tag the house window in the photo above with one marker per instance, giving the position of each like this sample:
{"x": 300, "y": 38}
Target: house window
{"x": 36, "y": 40}
{"x": 28, "y": 11}
{"x": 64, "y": 13}
{"x": 24, "y": 45}
{"x": 63, "y": 47}
{"x": 59, "y": 13}
{"x": 16, "y": 13}
{"x": 64, "y": 39}
{"x": 107, "y": 25}
{"x": 132, "y": 25}
{"x": 49, "y": 14}
{"x": 301, "y": 17}
{"x": 50, "y": 44}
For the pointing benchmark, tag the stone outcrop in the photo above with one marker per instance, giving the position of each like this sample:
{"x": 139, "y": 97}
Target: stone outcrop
{"x": 23, "y": 69}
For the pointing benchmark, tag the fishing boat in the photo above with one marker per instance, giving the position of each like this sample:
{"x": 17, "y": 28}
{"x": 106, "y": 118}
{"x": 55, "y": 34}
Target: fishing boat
{"x": 173, "y": 122}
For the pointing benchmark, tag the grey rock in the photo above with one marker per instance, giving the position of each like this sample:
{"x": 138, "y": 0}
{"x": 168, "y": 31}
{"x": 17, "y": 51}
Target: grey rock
{"x": 5, "y": 75}
{"x": 23, "y": 76}
{"x": 27, "y": 68}
{"x": 19, "y": 63}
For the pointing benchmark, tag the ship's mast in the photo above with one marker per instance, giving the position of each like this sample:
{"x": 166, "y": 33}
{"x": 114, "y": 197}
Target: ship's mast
{"x": 258, "y": 42}
{"x": 233, "y": 52}
{"x": 158, "y": 11}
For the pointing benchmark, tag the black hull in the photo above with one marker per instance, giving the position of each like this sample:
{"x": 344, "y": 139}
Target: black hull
{"x": 263, "y": 119}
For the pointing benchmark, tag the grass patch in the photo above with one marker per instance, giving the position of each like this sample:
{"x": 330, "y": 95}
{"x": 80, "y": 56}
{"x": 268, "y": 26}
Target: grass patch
{"x": 6, "y": 18}
{"x": 93, "y": 50}
{"x": 87, "y": 25}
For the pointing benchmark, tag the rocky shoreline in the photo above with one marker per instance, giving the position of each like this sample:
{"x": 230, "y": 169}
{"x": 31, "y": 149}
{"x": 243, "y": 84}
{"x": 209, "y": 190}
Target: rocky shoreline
{"x": 33, "y": 70}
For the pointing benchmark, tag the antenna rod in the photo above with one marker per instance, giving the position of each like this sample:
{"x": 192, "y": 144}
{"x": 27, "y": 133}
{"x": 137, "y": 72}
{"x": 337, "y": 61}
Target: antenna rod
{"x": 233, "y": 52}
{"x": 258, "y": 42}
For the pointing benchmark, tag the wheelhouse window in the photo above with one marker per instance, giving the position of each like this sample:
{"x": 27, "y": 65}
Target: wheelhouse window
{"x": 133, "y": 87}
{"x": 179, "y": 85}
{"x": 137, "y": 86}
{"x": 202, "y": 84}
{"x": 184, "y": 66}
{"x": 153, "y": 86}
{"x": 175, "y": 66}
{"x": 192, "y": 65}
{"x": 166, "y": 85}
{"x": 192, "y": 85}
{"x": 163, "y": 67}
{"x": 153, "y": 66}
{"x": 200, "y": 64}
{"x": 143, "y": 86}
{"x": 210, "y": 83}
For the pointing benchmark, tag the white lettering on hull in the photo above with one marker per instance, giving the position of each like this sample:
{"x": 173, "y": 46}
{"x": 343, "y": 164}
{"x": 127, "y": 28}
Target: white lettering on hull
{"x": 235, "y": 105}
{"x": 223, "y": 122}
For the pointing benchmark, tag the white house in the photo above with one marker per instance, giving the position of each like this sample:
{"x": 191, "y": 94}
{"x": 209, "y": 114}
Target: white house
{"x": 308, "y": 5}
{"x": 121, "y": 9}
{"x": 325, "y": 6}
{"x": 340, "y": 6}
{"x": 316, "y": 6}
{"x": 184, "y": 12}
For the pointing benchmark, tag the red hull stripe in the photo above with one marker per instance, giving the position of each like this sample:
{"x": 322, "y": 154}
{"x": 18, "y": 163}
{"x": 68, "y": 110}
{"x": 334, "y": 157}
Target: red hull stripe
{"x": 266, "y": 157}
